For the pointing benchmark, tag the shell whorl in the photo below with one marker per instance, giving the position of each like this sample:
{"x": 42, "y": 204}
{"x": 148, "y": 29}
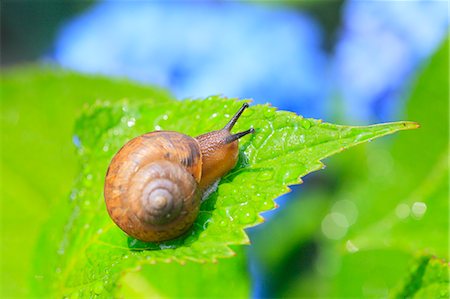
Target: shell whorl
{"x": 151, "y": 187}
{"x": 161, "y": 189}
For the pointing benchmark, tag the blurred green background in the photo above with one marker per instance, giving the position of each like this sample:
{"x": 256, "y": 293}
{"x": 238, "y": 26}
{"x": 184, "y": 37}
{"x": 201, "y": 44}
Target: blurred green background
{"x": 373, "y": 224}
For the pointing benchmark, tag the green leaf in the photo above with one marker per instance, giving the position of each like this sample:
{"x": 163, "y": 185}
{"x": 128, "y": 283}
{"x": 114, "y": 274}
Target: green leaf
{"x": 227, "y": 279}
{"x": 414, "y": 202}
{"x": 429, "y": 278}
{"x": 39, "y": 106}
{"x": 93, "y": 251}
{"x": 395, "y": 204}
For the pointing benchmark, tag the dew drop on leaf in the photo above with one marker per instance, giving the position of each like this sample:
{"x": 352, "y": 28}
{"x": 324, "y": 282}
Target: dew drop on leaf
{"x": 291, "y": 174}
{"x": 131, "y": 122}
{"x": 269, "y": 113}
{"x": 267, "y": 205}
{"x": 351, "y": 247}
{"x": 246, "y": 215}
{"x": 258, "y": 141}
{"x": 98, "y": 288}
{"x": 301, "y": 138}
{"x": 265, "y": 175}
{"x": 306, "y": 124}
{"x": 133, "y": 242}
{"x": 76, "y": 141}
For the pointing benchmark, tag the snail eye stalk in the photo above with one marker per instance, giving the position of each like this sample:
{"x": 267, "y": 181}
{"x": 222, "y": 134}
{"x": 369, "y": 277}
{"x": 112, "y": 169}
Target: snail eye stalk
{"x": 234, "y": 119}
{"x": 239, "y": 135}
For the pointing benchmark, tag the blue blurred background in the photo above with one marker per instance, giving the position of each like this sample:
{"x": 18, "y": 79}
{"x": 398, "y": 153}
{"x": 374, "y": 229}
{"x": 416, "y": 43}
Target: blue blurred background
{"x": 311, "y": 58}
{"x": 347, "y": 61}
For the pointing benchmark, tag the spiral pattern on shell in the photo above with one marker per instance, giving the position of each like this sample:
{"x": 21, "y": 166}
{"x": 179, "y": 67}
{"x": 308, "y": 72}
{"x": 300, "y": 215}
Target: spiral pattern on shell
{"x": 163, "y": 189}
{"x": 151, "y": 188}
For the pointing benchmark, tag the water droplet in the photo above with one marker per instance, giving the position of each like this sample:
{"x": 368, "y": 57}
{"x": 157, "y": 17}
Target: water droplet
{"x": 418, "y": 209}
{"x": 117, "y": 131}
{"x": 89, "y": 176}
{"x": 402, "y": 211}
{"x": 351, "y": 247}
{"x": 207, "y": 223}
{"x": 133, "y": 242}
{"x": 291, "y": 174}
{"x": 258, "y": 140}
{"x": 106, "y": 147}
{"x": 301, "y": 138}
{"x": 165, "y": 117}
{"x": 157, "y": 128}
{"x": 98, "y": 288}
{"x": 269, "y": 113}
{"x": 267, "y": 205}
{"x": 214, "y": 115}
{"x": 265, "y": 175}
{"x": 125, "y": 257}
{"x": 76, "y": 140}
{"x": 359, "y": 137}
{"x": 73, "y": 194}
{"x": 100, "y": 231}
{"x": 131, "y": 122}
{"x": 306, "y": 124}
{"x": 246, "y": 215}
{"x": 165, "y": 246}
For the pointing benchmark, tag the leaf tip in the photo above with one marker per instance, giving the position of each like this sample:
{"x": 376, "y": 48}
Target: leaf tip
{"x": 411, "y": 125}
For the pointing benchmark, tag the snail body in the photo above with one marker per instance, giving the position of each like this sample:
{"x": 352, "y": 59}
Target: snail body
{"x": 154, "y": 184}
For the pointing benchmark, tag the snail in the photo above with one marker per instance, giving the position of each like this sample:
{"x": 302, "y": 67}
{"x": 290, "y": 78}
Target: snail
{"x": 154, "y": 184}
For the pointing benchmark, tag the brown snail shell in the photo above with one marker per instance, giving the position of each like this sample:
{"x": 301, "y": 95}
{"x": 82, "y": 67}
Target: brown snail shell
{"x": 154, "y": 184}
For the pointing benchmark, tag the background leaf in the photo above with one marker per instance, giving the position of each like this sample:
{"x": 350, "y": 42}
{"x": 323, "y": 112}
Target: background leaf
{"x": 428, "y": 278}
{"x": 393, "y": 198}
{"x": 38, "y": 159}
